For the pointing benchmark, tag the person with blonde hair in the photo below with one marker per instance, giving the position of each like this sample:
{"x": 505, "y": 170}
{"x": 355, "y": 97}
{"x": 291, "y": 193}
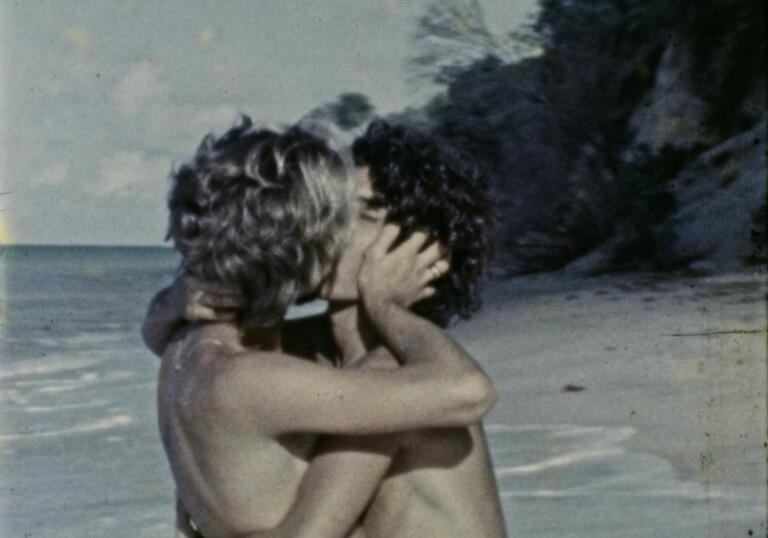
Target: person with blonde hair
{"x": 264, "y": 219}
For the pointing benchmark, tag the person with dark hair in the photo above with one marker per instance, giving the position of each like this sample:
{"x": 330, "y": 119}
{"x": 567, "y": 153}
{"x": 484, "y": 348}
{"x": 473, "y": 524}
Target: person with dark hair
{"x": 435, "y": 481}
{"x": 262, "y": 219}
{"x": 426, "y": 184}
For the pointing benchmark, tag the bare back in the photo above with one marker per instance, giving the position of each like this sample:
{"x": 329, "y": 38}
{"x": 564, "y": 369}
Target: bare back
{"x": 233, "y": 479}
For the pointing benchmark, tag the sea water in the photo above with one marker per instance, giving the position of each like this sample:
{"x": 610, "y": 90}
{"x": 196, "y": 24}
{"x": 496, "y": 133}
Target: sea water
{"x": 80, "y": 455}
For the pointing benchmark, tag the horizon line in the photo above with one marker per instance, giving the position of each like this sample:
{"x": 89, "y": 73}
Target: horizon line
{"x": 81, "y": 245}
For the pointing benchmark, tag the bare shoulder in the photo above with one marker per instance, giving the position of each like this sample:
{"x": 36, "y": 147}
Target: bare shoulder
{"x": 194, "y": 359}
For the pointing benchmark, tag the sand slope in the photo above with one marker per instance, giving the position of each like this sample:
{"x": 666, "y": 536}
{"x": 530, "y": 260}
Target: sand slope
{"x": 681, "y": 360}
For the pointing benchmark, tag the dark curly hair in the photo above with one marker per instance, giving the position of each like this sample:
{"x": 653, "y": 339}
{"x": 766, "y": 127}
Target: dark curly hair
{"x": 426, "y": 184}
{"x": 263, "y": 213}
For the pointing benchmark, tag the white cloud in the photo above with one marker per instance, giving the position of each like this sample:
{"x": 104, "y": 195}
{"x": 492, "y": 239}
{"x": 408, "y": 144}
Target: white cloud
{"x": 131, "y": 173}
{"x": 186, "y": 125}
{"x": 201, "y": 120}
{"x": 142, "y": 82}
{"x": 55, "y": 174}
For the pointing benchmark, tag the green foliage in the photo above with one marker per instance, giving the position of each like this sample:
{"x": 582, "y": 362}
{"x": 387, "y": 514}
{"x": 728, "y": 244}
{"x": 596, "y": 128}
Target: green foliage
{"x": 728, "y": 38}
{"x": 352, "y": 110}
{"x": 644, "y": 200}
{"x": 553, "y": 131}
{"x": 349, "y": 111}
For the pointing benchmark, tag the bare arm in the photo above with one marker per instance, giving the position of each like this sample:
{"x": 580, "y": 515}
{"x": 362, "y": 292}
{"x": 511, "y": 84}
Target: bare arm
{"x": 279, "y": 394}
{"x": 338, "y": 486}
{"x": 164, "y": 317}
{"x": 187, "y": 299}
{"x": 342, "y": 479}
{"x": 438, "y": 385}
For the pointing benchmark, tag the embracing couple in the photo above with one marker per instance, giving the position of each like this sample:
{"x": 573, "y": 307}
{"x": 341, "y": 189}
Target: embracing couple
{"x": 364, "y": 421}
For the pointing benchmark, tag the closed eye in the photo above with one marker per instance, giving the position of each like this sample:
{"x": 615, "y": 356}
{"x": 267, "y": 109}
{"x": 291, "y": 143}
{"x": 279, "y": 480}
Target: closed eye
{"x": 372, "y": 215}
{"x": 369, "y": 212}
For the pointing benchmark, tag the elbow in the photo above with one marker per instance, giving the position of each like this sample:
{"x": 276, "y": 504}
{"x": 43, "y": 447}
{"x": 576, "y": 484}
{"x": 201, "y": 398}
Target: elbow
{"x": 478, "y": 396}
{"x": 150, "y": 340}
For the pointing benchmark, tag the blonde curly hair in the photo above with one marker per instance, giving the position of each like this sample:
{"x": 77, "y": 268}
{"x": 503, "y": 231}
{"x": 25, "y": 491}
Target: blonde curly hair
{"x": 262, "y": 212}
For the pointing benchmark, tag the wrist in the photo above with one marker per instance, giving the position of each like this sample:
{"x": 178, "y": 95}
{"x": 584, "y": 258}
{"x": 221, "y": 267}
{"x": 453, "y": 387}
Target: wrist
{"x": 346, "y": 333}
{"x": 378, "y": 308}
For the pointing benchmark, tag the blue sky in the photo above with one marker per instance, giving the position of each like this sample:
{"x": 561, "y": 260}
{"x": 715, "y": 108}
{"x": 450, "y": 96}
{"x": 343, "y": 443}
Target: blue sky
{"x": 98, "y": 99}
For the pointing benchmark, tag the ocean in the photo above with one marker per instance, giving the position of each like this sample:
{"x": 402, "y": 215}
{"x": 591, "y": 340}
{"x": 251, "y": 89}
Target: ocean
{"x": 80, "y": 455}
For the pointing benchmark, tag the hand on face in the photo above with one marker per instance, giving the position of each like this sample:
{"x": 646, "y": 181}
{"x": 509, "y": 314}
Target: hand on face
{"x": 201, "y": 301}
{"x": 401, "y": 276}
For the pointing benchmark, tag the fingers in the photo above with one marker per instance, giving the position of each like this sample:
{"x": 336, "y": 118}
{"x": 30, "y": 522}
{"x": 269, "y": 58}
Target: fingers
{"x": 218, "y": 300}
{"x": 211, "y": 295}
{"x": 387, "y": 236}
{"x": 435, "y": 270}
{"x": 431, "y": 254}
{"x": 199, "y": 312}
{"x": 414, "y": 242}
{"x": 426, "y": 293}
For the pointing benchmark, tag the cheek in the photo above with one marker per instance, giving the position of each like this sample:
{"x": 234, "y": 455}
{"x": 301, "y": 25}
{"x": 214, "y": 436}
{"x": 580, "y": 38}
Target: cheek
{"x": 358, "y": 246}
{"x": 351, "y": 257}
{"x": 362, "y": 238}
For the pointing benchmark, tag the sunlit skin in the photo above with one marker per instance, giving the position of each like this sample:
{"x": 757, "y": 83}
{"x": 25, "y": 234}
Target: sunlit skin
{"x": 436, "y": 481}
{"x": 440, "y": 482}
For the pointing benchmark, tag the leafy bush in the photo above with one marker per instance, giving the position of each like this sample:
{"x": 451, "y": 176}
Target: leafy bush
{"x": 552, "y": 131}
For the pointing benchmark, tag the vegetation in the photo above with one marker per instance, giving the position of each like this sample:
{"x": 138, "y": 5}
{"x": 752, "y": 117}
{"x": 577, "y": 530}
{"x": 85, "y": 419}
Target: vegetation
{"x": 553, "y": 130}
{"x": 547, "y": 111}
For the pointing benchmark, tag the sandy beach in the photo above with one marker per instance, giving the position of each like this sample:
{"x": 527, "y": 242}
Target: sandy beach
{"x": 682, "y": 360}
{"x": 629, "y": 405}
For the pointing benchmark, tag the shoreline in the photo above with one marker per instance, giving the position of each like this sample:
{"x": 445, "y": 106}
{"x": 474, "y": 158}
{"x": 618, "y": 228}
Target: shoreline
{"x": 680, "y": 359}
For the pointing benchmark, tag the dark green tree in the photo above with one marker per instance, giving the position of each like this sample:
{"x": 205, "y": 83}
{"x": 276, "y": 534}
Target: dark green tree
{"x": 552, "y": 129}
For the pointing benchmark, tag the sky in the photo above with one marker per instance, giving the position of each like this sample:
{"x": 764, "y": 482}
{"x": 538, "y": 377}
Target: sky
{"x": 99, "y": 99}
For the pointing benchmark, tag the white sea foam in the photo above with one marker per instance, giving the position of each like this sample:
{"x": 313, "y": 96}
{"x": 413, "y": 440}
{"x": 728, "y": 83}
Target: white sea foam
{"x": 84, "y": 378}
{"x": 55, "y": 386}
{"x": 37, "y": 367}
{"x": 592, "y": 463}
{"x": 540, "y": 493}
{"x": 12, "y": 396}
{"x": 521, "y": 428}
{"x": 603, "y": 436}
{"x": 47, "y": 342}
{"x": 93, "y": 338}
{"x": 557, "y": 461}
{"x": 64, "y": 407}
{"x": 84, "y": 339}
{"x": 58, "y": 388}
{"x": 103, "y": 424}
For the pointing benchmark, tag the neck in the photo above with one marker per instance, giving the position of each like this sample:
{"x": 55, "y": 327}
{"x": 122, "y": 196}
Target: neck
{"x": 352, "y": 332}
